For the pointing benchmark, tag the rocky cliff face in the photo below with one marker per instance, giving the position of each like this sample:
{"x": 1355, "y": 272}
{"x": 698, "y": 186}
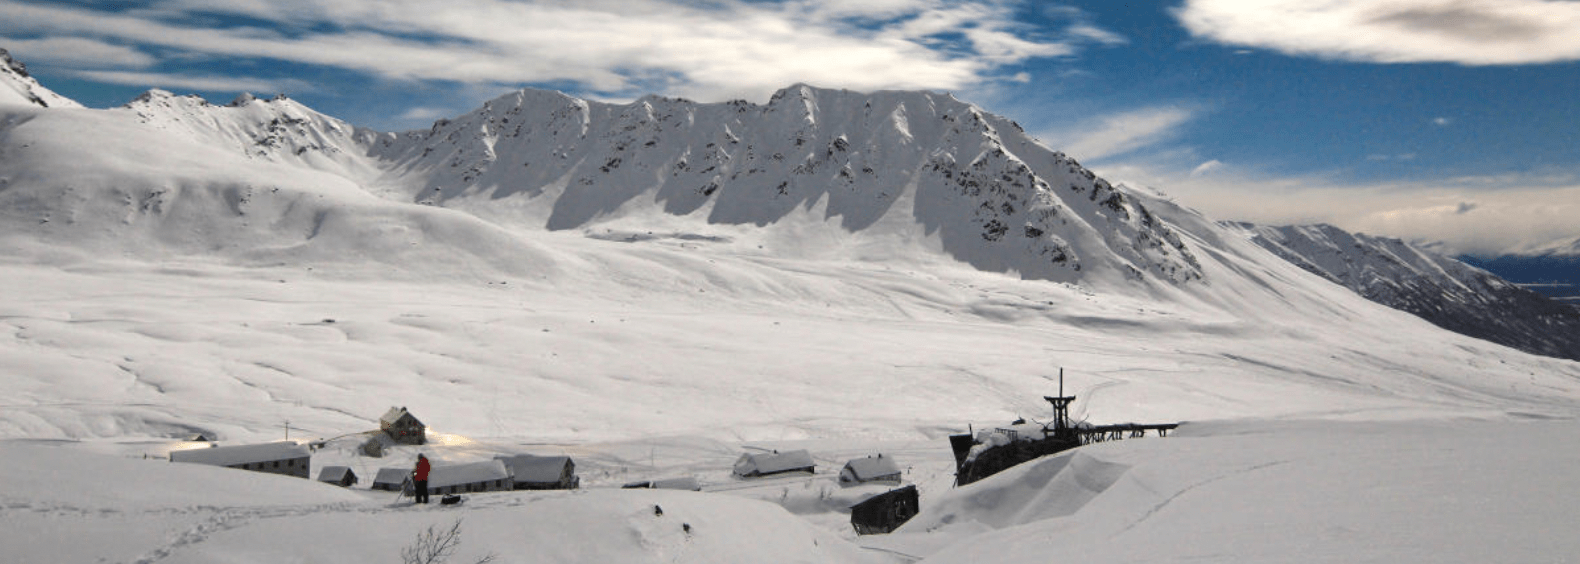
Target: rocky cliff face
{"x": 991, "y": 195}
{"x": 1439, "y": 289}
{"x": 20, "y": 88}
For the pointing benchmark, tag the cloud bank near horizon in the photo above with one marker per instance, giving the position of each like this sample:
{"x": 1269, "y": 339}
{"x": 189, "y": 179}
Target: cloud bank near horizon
{"x": 1493, "y": 215}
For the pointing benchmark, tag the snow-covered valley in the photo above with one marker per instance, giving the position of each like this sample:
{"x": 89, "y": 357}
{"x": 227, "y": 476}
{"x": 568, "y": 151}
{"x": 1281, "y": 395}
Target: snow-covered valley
{"x": 249, "y": 271}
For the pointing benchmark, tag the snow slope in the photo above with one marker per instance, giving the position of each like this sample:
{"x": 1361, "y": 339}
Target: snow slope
{"x": 1308, "y": 491}
{"x": 1248, "y": 490}
{"x": 64, "y": 506}
{"x": 175, "y": 266}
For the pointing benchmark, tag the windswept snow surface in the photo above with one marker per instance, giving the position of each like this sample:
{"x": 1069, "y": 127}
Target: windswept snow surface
{"x": 1294, "y": 491}
{"x": 243, "y": 271}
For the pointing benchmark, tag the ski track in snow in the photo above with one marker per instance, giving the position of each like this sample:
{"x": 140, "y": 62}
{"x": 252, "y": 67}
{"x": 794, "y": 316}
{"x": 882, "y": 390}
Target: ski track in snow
{"x": 1187, "y": 489}
{"x": 230, "y": 519}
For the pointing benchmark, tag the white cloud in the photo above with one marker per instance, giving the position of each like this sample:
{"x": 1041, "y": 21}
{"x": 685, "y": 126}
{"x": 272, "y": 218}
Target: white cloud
{"x": 708, "y": 51}
{"x": 1441, "y": 121}
{"x": 191, "y": 82}
{"x": 423, "y": 113}
{"x": 1206, "y": 168}
{"x": 76, "y": 52}
{"x": 1097, "y": 34}
{"x": 1469, "y": 32}
{"x": 1122, "y": 133}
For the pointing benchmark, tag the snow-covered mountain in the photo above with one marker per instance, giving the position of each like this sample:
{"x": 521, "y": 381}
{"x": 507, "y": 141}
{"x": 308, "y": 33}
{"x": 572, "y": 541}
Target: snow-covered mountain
{"x": 924, "y": 164}
{"x": 917, "y": 166}
{"x": 655, "y": 288}
{"x": 17, "y": 87}
{"x": 1439, "y": 289}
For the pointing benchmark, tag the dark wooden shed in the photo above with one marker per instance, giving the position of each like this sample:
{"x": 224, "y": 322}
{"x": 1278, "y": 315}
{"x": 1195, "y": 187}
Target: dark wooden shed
{"x": 885, "y": 512}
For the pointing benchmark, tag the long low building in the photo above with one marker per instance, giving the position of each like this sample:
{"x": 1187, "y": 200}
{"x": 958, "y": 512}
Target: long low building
{"x": 284, "y": 457}
{"x": 485, "y": 476}
{"x": 770, "y": 463}
{"x": 531, "y": 472}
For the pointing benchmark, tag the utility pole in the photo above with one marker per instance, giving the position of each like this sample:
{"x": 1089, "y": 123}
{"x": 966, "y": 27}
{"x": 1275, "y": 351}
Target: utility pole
{"x": 287, "y": 429}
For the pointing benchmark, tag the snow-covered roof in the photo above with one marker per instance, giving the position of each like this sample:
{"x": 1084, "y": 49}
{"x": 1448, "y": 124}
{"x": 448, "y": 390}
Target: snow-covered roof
{"x": 334, "y": 473}
{"x": 392, "y": 476}
{"x": 682, "y": 483}
{"x": 772, "y": 462}
{"x": 873, "y": 467}
{"x": 241, "y": 454}
{"x": 470, "y": 473}
{"x": 394, "y": 415}
{"x": 537, "y": 469}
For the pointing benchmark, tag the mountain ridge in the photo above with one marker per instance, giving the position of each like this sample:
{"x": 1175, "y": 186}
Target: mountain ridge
{"x": 20, "y": 88}
{"x": 1443, "y": 290}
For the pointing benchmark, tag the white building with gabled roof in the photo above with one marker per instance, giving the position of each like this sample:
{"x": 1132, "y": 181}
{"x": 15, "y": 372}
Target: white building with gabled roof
{"x": 341, "y": 476}
{"x": 878, "y": 468}
{"x": 391, "y": 479}
{"x": 485, "y": 476}
{"x": 532, "y": 472}
{"x": 752, "y": 465}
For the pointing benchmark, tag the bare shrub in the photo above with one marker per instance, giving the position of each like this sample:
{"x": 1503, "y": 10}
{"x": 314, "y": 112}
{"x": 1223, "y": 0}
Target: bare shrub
{"x": 434, "y": 546}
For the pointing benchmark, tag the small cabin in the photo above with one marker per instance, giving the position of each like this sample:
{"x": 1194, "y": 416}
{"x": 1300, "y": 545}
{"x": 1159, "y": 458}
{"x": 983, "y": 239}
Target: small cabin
{"x": 338, "y": 475}
{"x": 878, "y": 468}
{"x": 485, "y": 476}
{"x": 885, "y": 512}
{"x": 529, "y": 472}
{"x": 755, "y": 465}
{"x": 285, "y": 457}
{"x": 391, "y": 479}
{"x": 402, "y": 426}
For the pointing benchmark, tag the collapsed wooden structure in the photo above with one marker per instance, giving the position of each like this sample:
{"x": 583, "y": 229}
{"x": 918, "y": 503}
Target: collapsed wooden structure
{"x": 885, "y": 512}
{"x": 991, "y": 451}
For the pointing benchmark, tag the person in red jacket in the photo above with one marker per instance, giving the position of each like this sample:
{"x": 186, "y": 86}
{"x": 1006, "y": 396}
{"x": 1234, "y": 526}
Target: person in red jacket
{"x": 419, "y": 479}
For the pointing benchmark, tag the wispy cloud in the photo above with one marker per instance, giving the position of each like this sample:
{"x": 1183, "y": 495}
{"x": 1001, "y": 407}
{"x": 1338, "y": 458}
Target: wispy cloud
{"x": 192, "y": 82}
{"x": 77, "y": 52}
{"x": 1122, "y": 133}
{"x": 1468, "y": 32}
{"x": 1486, "y": 215}
{"x": 704, "y": 50}
{"x": 424, "y": 113}
{"x": 1207, "y": 168}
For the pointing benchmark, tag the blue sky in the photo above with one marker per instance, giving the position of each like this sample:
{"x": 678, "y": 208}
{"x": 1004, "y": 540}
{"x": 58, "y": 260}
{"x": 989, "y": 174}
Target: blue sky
{"x": 1449, "y": 121}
